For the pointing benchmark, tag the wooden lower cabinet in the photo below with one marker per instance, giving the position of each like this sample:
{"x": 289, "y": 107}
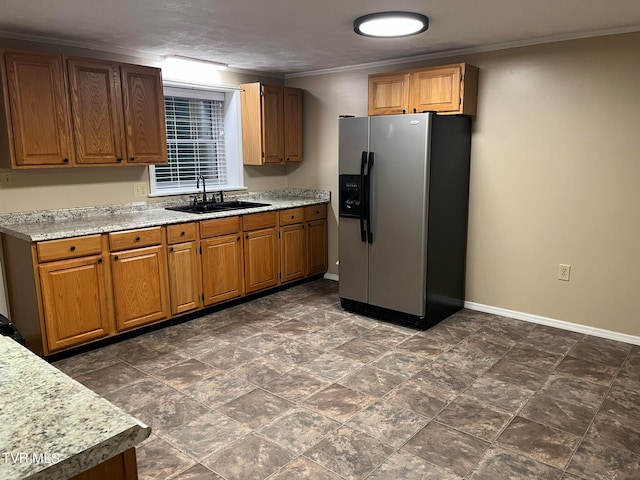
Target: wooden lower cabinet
{"x": 293, "y": 252}
{"x": 140, "y": 288}
{"x": 261, "y": 266}
{"x": 222, "y": 272}
{"x": 184, "y": 277}
{"x": 120, "y": 467}
{"x": 74, "y": 301}
{"x": 317, "y": 246}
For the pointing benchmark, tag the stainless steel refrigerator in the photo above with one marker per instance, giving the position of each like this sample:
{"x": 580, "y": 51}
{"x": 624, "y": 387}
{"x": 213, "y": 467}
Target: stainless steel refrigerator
{"x": 403, "y": 204}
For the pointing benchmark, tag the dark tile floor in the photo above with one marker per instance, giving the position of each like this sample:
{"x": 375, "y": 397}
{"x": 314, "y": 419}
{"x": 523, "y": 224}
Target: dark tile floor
{"x": 289, "y": 386}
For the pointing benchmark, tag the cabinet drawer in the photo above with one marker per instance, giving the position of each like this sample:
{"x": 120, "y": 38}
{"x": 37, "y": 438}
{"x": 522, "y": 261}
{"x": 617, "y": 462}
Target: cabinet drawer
{"x": 184, "y": 232}
{"x": 219, "y": 226}
{"x": 292, "y": 215}
{"x": 258, "y": 220}
{"x": 68, "y": 248}
{"x": 143, "y": 237}
{"x": 315, "y": 212}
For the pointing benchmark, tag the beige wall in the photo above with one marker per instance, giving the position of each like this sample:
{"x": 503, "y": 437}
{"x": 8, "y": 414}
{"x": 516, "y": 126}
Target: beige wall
{"x": 554, "y": 175}
{"x": 54, "y": 188}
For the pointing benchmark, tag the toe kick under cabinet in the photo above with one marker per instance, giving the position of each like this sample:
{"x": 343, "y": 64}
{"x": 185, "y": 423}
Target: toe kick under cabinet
{"x": 69, "y": 292}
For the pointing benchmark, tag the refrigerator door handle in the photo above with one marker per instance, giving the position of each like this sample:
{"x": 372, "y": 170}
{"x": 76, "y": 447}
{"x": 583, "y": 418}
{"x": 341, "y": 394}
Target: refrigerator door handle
{"x": 363, "y": 197}
{"x": 368, "y": 197}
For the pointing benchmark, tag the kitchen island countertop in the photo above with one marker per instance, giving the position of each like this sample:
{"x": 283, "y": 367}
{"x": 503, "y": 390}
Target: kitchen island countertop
{"x": 74, "y": 222}
{"x": 52, "y": 427}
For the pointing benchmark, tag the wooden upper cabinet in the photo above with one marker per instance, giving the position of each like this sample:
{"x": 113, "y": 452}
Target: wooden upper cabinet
{"x": 292, "y": 124}
{"x": 82, "y": 112}
{"x": 96, "y": 107}
{"x": 448, "y": 89}
{"x": 145, "y": 128}
{"x": 271, "y": 124}
{"x": 388, "y": 94}
{"x": 37, "y": 113}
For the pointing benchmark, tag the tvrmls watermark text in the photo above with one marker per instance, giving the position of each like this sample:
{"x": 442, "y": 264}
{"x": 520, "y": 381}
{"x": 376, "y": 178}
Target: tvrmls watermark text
{"x": 30, "y": 457}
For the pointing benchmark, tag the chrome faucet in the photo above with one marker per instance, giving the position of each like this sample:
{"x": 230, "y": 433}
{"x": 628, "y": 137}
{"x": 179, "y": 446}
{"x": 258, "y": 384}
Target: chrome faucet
{"x": 204, "y": 188}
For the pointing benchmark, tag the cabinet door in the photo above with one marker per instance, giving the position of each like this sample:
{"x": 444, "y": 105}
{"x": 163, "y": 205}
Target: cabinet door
{"x": 39, "y": 115}
{"x": 139, "y": 286}
{"x": 222, "y": 268}
{"x": 261, "y": 259}
{"x": 145, "y": 129}
{"x": 292, "y": 124}
{"x": 272, "y": 124}
{"x": 436, "y": 89}
{"x": 388, "y": 94}
{"x": 96, "y": 110}
{"x": 74, "y": 301}
{"x": 184, "y": 278}
{"x": 293, "y": 252}
{"x": 317, "y": 246}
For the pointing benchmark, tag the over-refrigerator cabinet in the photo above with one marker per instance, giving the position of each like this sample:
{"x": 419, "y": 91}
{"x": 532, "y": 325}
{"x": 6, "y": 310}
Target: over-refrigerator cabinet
{"x": 403, "y": 204}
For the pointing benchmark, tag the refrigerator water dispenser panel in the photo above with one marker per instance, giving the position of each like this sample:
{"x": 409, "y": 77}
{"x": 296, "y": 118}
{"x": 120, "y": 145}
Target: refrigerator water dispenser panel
{"x": 350, "y": 198}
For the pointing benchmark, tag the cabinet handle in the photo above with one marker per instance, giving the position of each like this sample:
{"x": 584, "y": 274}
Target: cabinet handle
{"x": 171, "y": 249}
{"x": 238, "y": 239}
{"x": 247, "y": 237}
{"x": 404, "y": 111}
{"x": 280, "y": 159}
{"x": 66, "y": 160}
{"x": 100, "y": 260}
{"x": 133, "y": 159}
{"x": 303, "y": 226}
{"x": 414, "y": 110}
{"x": 292, "y": 217}
{"x": 73, "y": 248}
{"x": 287, "y": 159}
{"x": 118, "y": 159}
{"x": 116, "y": 257}
{"x": 137, "y": 239}
{"x": 182, "y": 234}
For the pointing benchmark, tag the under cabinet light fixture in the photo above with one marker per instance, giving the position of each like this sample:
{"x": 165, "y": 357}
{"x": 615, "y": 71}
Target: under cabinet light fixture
{"x": 184, "y": 61}
{"x": 391, "y": 24}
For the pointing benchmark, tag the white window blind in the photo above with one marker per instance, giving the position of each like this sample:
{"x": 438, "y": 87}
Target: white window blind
{"x": 195, "y": 143}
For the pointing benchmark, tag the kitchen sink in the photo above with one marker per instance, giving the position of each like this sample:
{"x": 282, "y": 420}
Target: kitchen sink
{"x": 217, "y": 207}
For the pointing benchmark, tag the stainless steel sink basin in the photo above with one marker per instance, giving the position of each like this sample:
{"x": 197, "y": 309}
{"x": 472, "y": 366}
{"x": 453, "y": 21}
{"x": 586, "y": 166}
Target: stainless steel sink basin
{"x": 217, "y": 207}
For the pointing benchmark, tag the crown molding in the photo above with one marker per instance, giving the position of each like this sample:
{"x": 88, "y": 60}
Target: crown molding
{"x": 468, "y": 51}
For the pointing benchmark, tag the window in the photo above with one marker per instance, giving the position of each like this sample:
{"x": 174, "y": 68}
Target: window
{"x": 203, "y": 135}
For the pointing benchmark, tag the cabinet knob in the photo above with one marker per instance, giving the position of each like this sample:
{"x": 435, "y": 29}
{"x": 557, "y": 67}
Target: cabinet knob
{"x": 171, "y": 249}
{"x": 247, "y": 237}
{"x": 137, "y": 239}
{"x": 292, "y": 217}
{"x": 404, "y": 111}
{"x": 414, "y": 110}
{"x": 238, "y": 239}
{"x": 116, "y": 257}
{"x": 280, "y": 159}
{"x": 73, "y": 248}
{"x": 100, "y": 260}
{"x": 287, "y": 159}
{"x": 118, "y": 159}
{"x": 182, "y": 234}
{"x": 132, "y": 159}
{"x": 66, "y": 160}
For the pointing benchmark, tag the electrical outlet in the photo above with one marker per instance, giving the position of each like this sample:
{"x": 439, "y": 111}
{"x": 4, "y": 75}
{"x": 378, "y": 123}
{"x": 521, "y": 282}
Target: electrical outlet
{"x": 6, "y": 179}
{"x": 140, "y": 190}
{"x": 564, "y": 271}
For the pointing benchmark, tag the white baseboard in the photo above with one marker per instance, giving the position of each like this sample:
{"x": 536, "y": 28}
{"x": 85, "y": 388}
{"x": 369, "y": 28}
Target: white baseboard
{"x": 552, "y": 322}
{"x": 332, "y": 276}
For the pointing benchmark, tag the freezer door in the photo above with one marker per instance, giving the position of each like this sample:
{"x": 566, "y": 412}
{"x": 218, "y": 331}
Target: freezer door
{"x": 352, "y": 251}
{"x": 399, "y": 205}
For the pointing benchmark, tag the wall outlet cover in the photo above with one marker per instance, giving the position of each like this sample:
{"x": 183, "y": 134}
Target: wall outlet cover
{"x": 564, "y": 272}
{"x": 6, "y": 179}
{"x": 140, "y": 190}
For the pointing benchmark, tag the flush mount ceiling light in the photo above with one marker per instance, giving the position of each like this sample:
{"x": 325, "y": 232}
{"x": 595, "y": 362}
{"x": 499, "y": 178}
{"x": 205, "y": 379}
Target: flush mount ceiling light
{"x": 390, "y": 24}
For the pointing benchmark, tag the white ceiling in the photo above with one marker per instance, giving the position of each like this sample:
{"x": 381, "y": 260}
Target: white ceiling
{"x": 289, "y": 36}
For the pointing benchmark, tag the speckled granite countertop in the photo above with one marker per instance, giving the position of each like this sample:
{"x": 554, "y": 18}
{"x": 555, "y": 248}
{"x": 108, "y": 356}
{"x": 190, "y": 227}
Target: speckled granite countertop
{"x": 52, "y": 427}
{"x": 74, "y": 222}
